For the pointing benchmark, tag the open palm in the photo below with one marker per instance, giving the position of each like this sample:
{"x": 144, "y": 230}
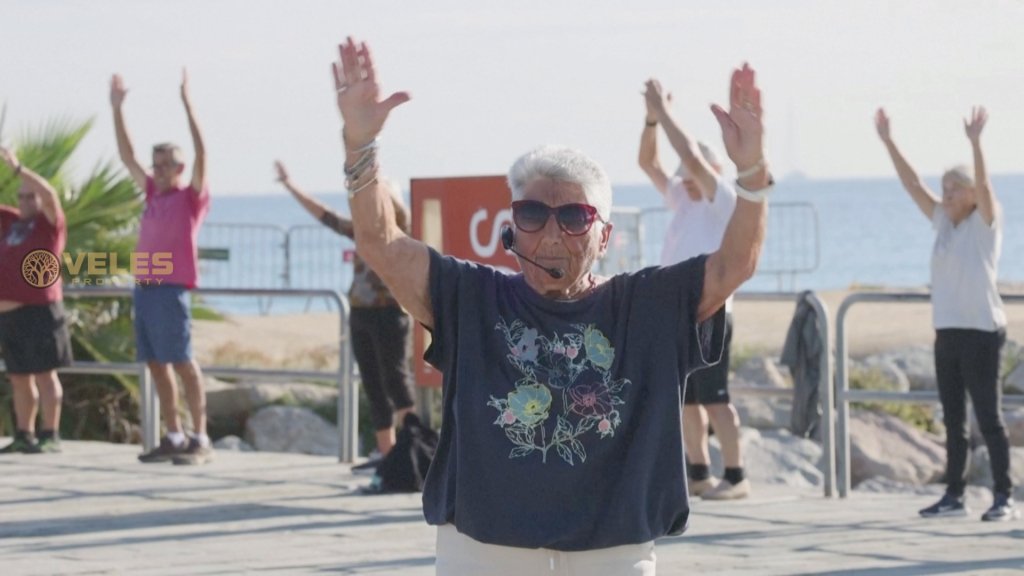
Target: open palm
{"x": 358, "y": 94}
{"x": 743, "y": 125}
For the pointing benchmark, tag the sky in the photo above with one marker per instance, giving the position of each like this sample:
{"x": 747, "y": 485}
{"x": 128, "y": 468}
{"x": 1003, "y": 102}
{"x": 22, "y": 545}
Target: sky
{"x": 490, "y": 80}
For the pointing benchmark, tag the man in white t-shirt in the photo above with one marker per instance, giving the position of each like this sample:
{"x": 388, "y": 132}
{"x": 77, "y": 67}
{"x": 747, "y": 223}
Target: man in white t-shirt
{"x": 701, "y": 203}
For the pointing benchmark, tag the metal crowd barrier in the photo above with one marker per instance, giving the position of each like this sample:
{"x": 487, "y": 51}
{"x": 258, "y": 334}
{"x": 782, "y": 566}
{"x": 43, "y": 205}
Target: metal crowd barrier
{"x": 825, "y": 389}
{"x": 348, "y": 397}
{"x": 843, "y": 394}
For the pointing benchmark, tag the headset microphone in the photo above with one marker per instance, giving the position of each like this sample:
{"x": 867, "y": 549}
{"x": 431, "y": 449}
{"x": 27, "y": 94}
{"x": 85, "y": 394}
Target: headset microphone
{"x": 508, "y": 240}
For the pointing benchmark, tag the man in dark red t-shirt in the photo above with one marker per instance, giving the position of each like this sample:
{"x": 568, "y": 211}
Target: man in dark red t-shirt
{"x": 33, "y": 329}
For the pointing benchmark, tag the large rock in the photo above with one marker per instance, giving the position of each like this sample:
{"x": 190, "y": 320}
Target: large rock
{"x": 918, "y": 364}
{"x": 762, "y": 412}
{"x": 233, "y": 444}
{"x": 883, "y": 445}
{"x": 227, "y": 399}
{"x": 760, "y": 371}
{"x": 1014, "y": 421}
{"x": 879, "y": 373}
{"x": 980, "y": 471}
{"x": 291, "y": 429}
{"x": 775, "y": 457}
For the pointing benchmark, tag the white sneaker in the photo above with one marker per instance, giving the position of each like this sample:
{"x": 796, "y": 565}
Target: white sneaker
{"x": 700, "y": 487}
{"x": 728, "y": 491}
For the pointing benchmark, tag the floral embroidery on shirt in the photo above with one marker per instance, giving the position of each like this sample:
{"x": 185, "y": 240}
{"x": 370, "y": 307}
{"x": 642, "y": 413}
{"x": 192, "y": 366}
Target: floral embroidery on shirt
{"x": 566, "y": 390}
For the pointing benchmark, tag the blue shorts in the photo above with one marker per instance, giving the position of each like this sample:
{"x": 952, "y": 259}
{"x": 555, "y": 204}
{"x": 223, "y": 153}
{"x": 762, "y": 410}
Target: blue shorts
{"x": 163, "y": 318}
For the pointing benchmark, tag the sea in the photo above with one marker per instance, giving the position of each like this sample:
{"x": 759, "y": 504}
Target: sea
{"x": 851, "y": 233}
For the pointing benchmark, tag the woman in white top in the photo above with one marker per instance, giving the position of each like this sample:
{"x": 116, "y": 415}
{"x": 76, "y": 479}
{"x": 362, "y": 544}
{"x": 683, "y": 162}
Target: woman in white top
{"x": 970, "y": 325}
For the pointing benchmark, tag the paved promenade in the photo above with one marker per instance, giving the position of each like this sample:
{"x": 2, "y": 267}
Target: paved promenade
{"x": 95, "y": 510}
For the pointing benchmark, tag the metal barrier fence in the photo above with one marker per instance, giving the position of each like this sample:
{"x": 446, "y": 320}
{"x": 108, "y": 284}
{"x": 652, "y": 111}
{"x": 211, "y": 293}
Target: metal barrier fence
{"x": 825, "y": 389}
{"x": 843, "y": 394}
{"x": 314, "y": 257}
{"x": 348, "y": 397}
{"x": 791, "y": 247}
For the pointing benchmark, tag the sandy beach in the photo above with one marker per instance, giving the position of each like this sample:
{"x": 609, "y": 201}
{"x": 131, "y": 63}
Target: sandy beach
{"x": 310, "y": 340}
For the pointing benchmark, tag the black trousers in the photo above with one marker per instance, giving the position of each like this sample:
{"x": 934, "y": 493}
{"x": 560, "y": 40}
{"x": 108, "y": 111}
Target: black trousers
{"x": 381, "y": 343}
{"x": 967, "y": 362}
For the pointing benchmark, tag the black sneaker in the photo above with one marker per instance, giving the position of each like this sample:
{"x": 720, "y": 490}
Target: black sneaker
{"x": 195, "y": 453}
{"x": 162, "y": 453}
{"x": 1002, "y": 510}
{"x": 21, "y": 445}
{"x": 949, "y": 505}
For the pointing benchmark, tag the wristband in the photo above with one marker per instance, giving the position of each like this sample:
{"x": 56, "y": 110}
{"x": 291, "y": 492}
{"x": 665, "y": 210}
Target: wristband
{"x": 650, "y": 124}
{"x": 752, "y": 170}
{"x": 759, "y": 196}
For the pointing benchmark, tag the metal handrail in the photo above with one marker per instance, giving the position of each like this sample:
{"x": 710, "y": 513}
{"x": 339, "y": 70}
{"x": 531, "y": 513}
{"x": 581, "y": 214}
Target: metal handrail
{"x": 348, "y": 397}
{"x": 844, "y": 395}
{"x": 825, "y": 390}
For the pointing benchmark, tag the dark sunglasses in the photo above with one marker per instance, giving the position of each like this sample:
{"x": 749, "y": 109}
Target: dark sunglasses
{"x": 573, "y": 219}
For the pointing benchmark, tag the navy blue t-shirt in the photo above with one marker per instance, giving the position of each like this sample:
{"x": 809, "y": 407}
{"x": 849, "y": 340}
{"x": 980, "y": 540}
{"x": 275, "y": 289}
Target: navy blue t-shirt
{"x": 561, "y": 419}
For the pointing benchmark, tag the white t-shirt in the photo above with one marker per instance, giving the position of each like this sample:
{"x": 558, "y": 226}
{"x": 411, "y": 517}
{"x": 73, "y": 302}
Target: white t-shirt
{"x": 965, "y": 260}
{"x": 697, "y": 226}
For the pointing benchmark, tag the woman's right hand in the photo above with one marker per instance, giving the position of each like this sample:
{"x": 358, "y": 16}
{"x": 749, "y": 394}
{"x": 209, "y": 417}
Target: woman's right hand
{"x": 117, "y": 91}
{"x": 358, "y": 95}
{"x": 655, "y": 99}
{"x": 882, "y": 125}
{"x": 282, "y": 174}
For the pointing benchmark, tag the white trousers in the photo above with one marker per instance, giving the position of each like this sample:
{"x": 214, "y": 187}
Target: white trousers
{"x": 460, "y": 555}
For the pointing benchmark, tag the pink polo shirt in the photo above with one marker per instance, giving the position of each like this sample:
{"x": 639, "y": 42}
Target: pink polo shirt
{"x": 169, "y": 235}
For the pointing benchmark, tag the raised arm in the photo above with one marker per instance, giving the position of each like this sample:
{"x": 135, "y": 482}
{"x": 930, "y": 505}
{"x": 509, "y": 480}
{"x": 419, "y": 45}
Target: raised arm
{"x": 988, "y": 206}
{"x": 322, "y": 213}
{"x": 124, "y": 143}
{"x": 925, "y": 199}
{"x": 648, "y": 157}
{"x": 199, "y": 164}
{"x": 48, "y": 200}
{"x": 402, "y": 262}
{"x": 743, "y": 135}
{"x": 685, "y": 147}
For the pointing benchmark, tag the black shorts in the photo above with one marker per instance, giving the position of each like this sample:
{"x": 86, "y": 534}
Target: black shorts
{"x": 711, "y": 385}
{"x": 35, "y": 338}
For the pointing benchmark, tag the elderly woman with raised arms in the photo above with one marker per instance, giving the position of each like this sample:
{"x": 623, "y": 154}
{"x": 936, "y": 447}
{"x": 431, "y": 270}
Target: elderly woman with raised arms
{"x": 561, "y": 445}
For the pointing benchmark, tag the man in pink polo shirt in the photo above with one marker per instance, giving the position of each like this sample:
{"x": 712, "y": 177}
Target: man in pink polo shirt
{"x": 166, "y": 263}
{"x": 33, "y": 328}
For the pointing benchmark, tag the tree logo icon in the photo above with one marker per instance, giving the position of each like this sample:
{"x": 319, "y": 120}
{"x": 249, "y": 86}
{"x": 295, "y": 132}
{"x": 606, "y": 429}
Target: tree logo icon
{"x": 40, "y": 268}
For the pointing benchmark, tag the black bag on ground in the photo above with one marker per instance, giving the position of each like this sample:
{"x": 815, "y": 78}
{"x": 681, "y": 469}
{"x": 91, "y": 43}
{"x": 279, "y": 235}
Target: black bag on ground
{"x": 405, "y": 466}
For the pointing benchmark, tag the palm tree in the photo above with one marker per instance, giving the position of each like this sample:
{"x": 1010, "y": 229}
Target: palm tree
{"x": 102, "y": 215}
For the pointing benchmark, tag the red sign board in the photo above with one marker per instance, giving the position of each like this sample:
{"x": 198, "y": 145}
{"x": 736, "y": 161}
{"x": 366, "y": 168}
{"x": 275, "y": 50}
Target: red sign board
{"x": 460, "y": 217}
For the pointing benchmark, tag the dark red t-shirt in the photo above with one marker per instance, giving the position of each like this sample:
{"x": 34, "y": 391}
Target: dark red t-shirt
{"x": 36, "y": 282}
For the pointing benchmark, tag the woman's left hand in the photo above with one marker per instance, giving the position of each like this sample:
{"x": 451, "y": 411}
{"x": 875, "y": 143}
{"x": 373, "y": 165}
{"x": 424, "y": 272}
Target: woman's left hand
{"x": 358, "y": 95}
{"x": 976, "y": 123}
{"x": 743, "y": 125}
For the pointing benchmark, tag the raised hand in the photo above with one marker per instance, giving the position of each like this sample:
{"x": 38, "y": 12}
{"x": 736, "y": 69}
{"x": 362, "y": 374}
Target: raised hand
{"x": 184, "y": 87}
{"x": 882, "y": 125}
{"x": 743, "y": 125}
{"x": 9, "y": 158}
{"x": 976, "y": 123}
{"x": 656, "y": 99}
{"x": 117, "y": 91}
{"x": 358, "y": 94}
{"x": 282, "y": 173}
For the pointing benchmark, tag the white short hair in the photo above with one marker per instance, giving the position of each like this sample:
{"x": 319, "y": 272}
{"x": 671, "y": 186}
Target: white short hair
{"x": 563, "y": 164}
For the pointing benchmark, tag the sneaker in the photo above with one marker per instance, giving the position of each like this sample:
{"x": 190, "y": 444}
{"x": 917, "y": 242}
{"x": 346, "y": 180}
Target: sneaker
{"x": 728, "y": 491}
{"x": 162, "y": 453}
{"x": 50, "y": 445}
{"x": 1002, "y": 510}
{"x": 21, "y": 445}
{"x": 949, "y": 505}
{"x": 196, "y": 453}
{"x": 698, "y": 488}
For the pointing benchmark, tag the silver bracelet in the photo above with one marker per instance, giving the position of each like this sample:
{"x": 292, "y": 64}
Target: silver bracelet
{"x": 352, "y": 192}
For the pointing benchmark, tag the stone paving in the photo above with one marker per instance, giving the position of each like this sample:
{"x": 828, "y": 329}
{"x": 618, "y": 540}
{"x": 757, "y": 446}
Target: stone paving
{"x": 95, "y": 510}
